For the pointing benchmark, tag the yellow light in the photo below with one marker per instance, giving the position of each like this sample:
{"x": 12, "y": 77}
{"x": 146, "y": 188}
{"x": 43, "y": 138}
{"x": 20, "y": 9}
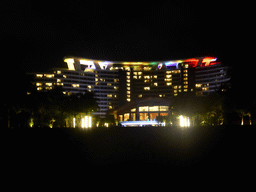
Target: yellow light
{"x": 48, "y": 84}
{"x": 75, "y": 85}
{"x": 39, "y": 75}
{"x": 70, "y": 63}
{"x": 49, "y": 75}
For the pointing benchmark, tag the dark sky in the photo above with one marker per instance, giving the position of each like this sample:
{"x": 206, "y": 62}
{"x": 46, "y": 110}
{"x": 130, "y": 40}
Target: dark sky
{"x": 36, "y": 35}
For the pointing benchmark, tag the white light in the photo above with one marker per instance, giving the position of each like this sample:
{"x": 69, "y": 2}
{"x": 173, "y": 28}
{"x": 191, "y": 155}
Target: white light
{"x": 90, "y": 64}
{"x": 140, "y": 123}
{"x": 74, "y": 122}
{"x": 90, "y": 122}
{"x": 184, "y": 121}
{"x": 104, "y": 65}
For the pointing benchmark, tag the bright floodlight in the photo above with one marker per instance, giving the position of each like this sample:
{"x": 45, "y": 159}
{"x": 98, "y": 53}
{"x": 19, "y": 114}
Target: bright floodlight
{"x": 184, "y": 121}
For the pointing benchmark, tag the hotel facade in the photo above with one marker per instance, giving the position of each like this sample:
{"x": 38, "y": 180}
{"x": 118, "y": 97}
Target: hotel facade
{"x": 116, "y": 83}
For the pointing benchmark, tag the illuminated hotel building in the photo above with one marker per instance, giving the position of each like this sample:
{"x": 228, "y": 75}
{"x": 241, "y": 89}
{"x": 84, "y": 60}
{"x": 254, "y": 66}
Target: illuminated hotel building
{"x": 118, "y": 83}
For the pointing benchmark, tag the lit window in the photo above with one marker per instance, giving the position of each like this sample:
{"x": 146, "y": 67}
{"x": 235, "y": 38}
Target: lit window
{"x": 109, "y": 95}
{"x": 38, "y": 84}
{"x": 128, "y": 77}
{"x": 168, "y": 79}
{"x": 128, "y": 88}
{"x": 185, "y": 71}
{"x": 139, "y": 73}
{"x": 128, "y": 99}
{"x": 39, "y": 75}
{"x": 64, "y": 76}
{"x": 110, "y": 107}
{"x": 168, "y": 76}
{"x": 146, "y": 81}
{"x": 39, "y": 88}
{"x": 153, "y": 108}
{"x": 134, "y": 73}
{"x": 185, "y": 90}
{"x": 155, "y": 84}
{"x": 175, "y": 87}
{"x": 160, "y": 95}
{"x": 48, "y": 84}
{"x": 146, "y": 88}
{"x": 133, "y": 110}
{"x": 175, "y": 94}
{"x": 175, "y": 91}
{"x": 185, "y": 78}
{"x": 140, "y": 95}
{"x": 128, "y": 80}
{"x": 168, "y": 84}
{"x": 128, "y": 73}
{"x": 185, "y": 86}
{"x": 143, "y": 108}
{"x": 128, "y": 84}
{"x": 139, "y": 77}
{"x": 48, "y": 88}
{"x": 164, "y": 108}
{"x": 115, "y": 88}
{"x": 134, "y": 77}
{"x": 185, "y": 75}
{"x": 96, "y": 79}
{"x": 58, "y": 72}
{"x": 186, "y": 66}
{"x": 147, "y": 68}
{"x": 128, "y": 95}
{"x": 128, "y": 92}
{"x": 168, "y": 72}
{"x": 126, "y": 116}
{"x": 155, "y": 76}
{"x": 146, "y": 77}
{"x": 49, "y": 75}
{"x": 198, "y": 85}
{"x": 185, "y": 82}
{"x": 75, "y": 85}
{"x": 109, "y": 84}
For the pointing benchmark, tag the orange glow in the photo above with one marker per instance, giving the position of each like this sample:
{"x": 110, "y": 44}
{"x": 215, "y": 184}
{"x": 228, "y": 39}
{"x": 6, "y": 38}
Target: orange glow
{"x": 207, "y": 61}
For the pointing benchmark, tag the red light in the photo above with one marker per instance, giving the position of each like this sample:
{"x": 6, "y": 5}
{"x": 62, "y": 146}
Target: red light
{"x": 192, "y": 62}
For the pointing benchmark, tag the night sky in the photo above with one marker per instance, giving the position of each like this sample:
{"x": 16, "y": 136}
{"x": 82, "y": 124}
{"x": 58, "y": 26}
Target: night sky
{"x": 36, "y": 35}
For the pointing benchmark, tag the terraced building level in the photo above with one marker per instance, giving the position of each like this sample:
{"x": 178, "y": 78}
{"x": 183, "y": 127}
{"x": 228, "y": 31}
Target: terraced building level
{"x": 116, "y": 83}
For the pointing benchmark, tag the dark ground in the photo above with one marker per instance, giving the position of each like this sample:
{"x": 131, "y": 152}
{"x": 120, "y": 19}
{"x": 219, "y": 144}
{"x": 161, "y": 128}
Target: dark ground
{"x": 206, "y": 151}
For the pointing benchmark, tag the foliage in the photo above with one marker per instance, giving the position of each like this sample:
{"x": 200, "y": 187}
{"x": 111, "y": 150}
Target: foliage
{"x": 45, "y": 109}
